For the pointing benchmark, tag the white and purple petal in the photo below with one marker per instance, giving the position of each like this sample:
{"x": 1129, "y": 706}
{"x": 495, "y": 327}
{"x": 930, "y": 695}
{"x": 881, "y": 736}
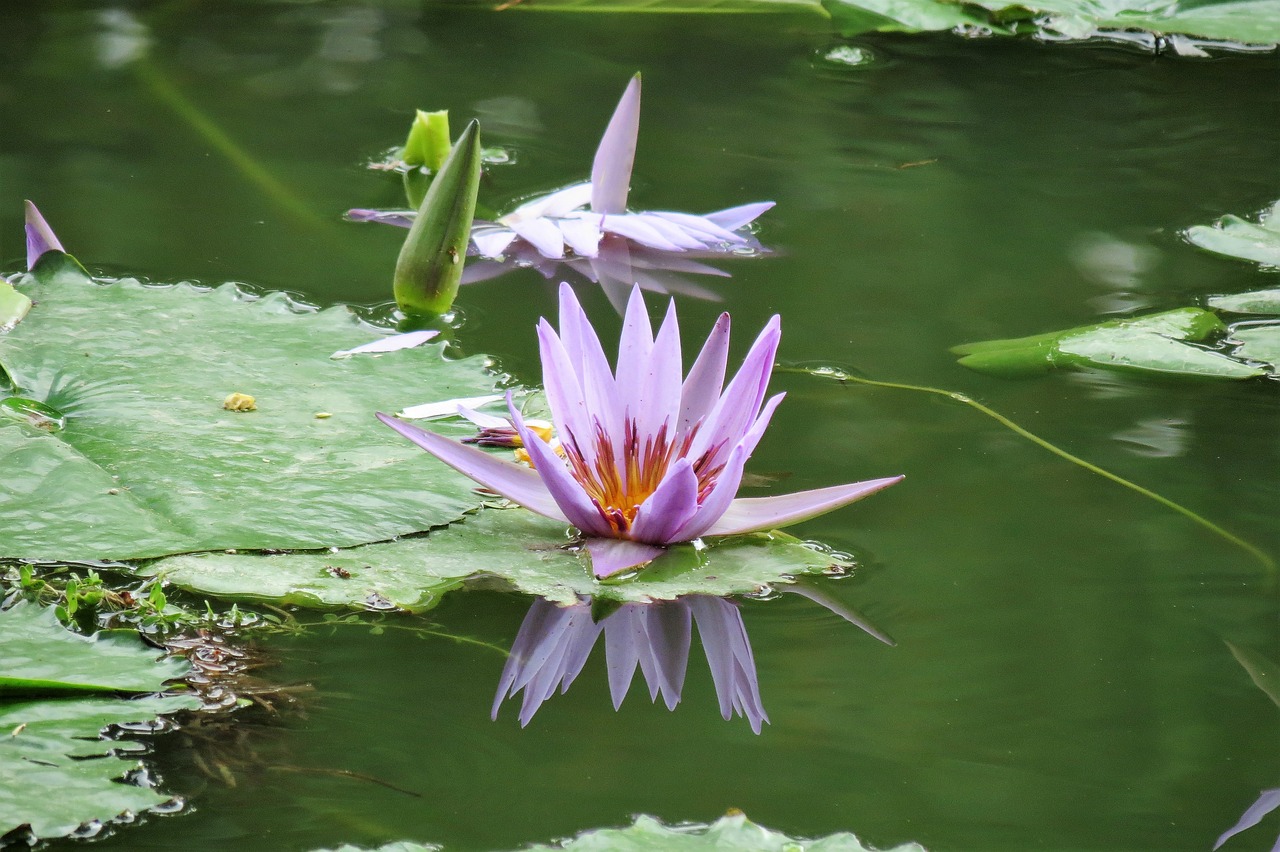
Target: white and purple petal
{"x": 753, "y": 514}
{"x": 611, "y": 169}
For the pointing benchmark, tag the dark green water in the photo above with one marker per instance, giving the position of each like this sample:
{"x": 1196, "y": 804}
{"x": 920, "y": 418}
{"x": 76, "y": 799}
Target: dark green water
{"x": 1060, "y": 681}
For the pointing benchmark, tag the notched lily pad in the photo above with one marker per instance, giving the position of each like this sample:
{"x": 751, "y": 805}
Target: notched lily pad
{"x": 13, "y": 306}
{"x": 1259, "y": 343}
{"x": 512, "y": 548}
{"x": 1257, "y": 302}
{"x": 1155, "y": 344}
{"x": 1236, "y": 237}
{"x": 149, "y": 463}
{"x": 38, "y": 656}
{"x": 56, "y": 772}
{"x": 647, "y": 834}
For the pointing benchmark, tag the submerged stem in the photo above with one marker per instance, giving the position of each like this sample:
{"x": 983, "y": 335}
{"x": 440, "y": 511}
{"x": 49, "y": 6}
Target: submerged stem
{"x": 842, "y": 376}
{"x": 171, "y": 96}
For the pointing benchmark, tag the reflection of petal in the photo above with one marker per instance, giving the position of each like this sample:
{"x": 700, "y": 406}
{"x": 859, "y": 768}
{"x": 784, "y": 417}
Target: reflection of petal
{"x": 1267, "y": 802}
{"x": 733, "y": 667}
{"x": 399, "y": 218}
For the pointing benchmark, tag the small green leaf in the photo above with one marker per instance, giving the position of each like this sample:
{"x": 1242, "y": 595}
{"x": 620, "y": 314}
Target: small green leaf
{"x": 13, "y": 306}
{"x": 1235, "y": 237}
{"x": 1155, "y": 344}
{"x": 1257, "y": 302}
{"x": 429, "y": 268}
{"x": 1259, "y": 343}
{"x": 511, "y": 547}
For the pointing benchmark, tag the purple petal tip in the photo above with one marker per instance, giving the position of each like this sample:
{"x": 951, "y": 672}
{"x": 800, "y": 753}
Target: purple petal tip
{"x": 40, "y": 237}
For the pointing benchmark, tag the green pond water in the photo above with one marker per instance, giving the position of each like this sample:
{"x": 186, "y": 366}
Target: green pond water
{"x": 1060, "y": 680}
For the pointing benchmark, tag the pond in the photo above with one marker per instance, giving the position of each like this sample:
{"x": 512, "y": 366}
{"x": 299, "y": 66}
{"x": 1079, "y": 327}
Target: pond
{"x": 1062, "y": 674}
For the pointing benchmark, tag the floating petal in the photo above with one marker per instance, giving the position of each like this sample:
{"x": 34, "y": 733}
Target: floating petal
{"x": 448, "y": 407}
{"x": 393, "y": 343}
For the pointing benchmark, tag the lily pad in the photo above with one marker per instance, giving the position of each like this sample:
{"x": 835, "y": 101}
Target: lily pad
{"x": 1242, "y": 21}
{"x": 1155, "y": 344}
{"x": 1236, "y": 237}
{"x": 647, "y": 834}
{"x": 38, "y": 656}
{"x": 1257, "y": 302}
{"x": 50, "y": 782}
{"x": 672, "y": 6}
{"x": 513, "y": 547}
{"x": 1259, "y": 343}
{"x": 150, "y": 463}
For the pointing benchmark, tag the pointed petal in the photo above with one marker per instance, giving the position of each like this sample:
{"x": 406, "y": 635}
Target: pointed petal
{"x": 670, "y": 231}
{"x": 483, "y": 420}
{"x": 633, "y": 353}
{"x": 706, "y": 377}
{"x": 738, "y": 406}
{"x": 733, "y": 218}
{"x": 700, "y": 227}
{"x": 564, "y": 489}
{"x": 733, "y": 668}
{"x": 542, "y": 235}
{"x": 582, "y": 235}
{"x": 492, "y": 242}
{"x": 553, "y": 204}
{"x": 659, "y": 401}
{"x": 611, "y": 170}
{"x": 611, "y": 555}
{"x": 515, "y": 482}
{"x": 751, "y": 514}
{"x": 526, "y": 641}
{"x": 635, "y": 228}
{"x": 40, "y": 237}
{"x": 669, "y": 507}
{"x": 565, "y": 396}
{"x": 399, "y": 218}
{"x": 594, "y": 373}
{"x": 1267, "y": 802}
{"x": 392, "y": 343}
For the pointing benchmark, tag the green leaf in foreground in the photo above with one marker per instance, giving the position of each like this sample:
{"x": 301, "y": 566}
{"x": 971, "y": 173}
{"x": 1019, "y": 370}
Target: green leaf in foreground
{"x": 853, "y": 17}
{"x": 1257, "y": 302}
{"x": 429, "y": 268}
{"x": 1236, "y": 237}
{"x": 38, "y": 656}
{"x": 1259, "y": 343}
{"x": 55, "y": 772}
{"x": 13, "y": 306}
{"x": 647, "y": 834}
{"x": 512, "y": 547}
{"x": 149, "y": 462}
{"x": 1154, "y": 344}
{"x": 670, "y": 6}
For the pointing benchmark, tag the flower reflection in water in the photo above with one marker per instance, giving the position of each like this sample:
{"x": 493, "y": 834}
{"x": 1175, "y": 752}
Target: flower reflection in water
{"x": 555, "y": 641}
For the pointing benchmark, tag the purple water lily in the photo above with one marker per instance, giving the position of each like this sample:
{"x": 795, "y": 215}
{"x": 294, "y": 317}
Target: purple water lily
{"x": 554, "y": 643}
{"x": 647, "y": 457}
{"x": 579, "y": 216}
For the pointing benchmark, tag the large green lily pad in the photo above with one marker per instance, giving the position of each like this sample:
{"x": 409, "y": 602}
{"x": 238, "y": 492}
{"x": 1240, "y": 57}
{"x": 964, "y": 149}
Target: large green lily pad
{"x": 38, "y": 656}
{"x": 150, "y": 462}
{"x": 1244, "y": 21}
{"x": 13, "y": 306}
{"x": 513, "y": 547}
{"x": 1155, "y": 344}
{"x": 56, "y": 772}
{"x": 1236, "y": 237}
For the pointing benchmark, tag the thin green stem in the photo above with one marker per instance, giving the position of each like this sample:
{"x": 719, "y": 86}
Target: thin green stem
{"x": 842, "y": 376}
{"x": 171, "y": 96}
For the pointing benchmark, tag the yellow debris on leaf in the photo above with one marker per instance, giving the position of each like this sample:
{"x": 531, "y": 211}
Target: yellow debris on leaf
{"x": 240, "y": 402}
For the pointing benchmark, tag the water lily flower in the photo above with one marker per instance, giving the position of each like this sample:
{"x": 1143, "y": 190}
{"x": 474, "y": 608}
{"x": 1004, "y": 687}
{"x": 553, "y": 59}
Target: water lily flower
{"x": 579, "y": 216}
{"x": 648, "y": 457}
{"x": 554, "y": 643}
